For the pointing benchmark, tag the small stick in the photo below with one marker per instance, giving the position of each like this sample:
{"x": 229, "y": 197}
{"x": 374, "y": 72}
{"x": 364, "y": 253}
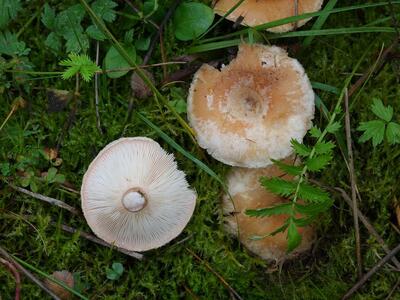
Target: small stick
{"x": 160, "y": 28}
{"x": 96, "y": 89}
{"x": 15, "y": 273}
{"x": 371, "y": 272}
{"x": 226, "y": 284}
{"x": 47, "y": 199}
{"x": 393, "y": 290}
{"x": 353, "y": 184}
{"x": 96, "y": 240}
{"x": 28, "y": 274}
{"x": 368, "y": 226}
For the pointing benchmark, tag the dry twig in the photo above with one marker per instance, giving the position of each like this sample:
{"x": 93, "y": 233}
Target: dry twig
{"x": 50, "y": 200}
{"x": 353, "y": 184}
{"x": 28, "y": 274}
{"x": 96, "y": 240}
{"x": 371, "y": 272}
{"x": 15, "y": 273}
{"x": 206, "y": 264}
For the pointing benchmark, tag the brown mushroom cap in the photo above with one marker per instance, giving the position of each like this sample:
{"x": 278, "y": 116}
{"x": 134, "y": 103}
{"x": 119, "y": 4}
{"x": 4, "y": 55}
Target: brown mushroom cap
{"x": 134, "y": 196}
{"x": 248, "y": 112}
{"x": 257, "y": 12}
{"x": 247, "y": 193}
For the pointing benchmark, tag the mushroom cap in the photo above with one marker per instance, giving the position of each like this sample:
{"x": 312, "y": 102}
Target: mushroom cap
{"x": 248, "y": 112}
{"x": 257, "y": 12}
{"x": 247, "y": 193}
{"x": 134, "y": 196}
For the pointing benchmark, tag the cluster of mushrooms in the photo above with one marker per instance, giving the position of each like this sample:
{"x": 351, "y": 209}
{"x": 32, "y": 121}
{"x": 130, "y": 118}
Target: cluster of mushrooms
{"x": 244, "y": 115}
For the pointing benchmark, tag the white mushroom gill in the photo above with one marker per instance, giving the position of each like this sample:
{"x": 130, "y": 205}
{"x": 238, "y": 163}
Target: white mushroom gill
{"x": 134, "y": 196}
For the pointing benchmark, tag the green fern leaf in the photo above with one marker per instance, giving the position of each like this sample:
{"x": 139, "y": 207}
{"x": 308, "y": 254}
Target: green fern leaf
{"x": 293, "y": 236}
{"x": 288, "y": 168}
{"x": 281, "y": 209}
{"x": 312, "y": 194}
{"x": 279, "y": 186}
{"x": 8, "y": 11}
{"x": 81, "y": 64}
{"x": 324, "y": 147}
{"x": 300, "y": 149}
{"x": 318, "y": 163}
{"x": 104, "y": 9}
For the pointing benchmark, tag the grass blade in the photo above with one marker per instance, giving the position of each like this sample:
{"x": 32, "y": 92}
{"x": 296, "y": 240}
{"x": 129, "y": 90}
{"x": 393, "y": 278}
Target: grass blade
{"x": 320, "y": 21}
{"x": 100, "y": 24}
{"x": 32, "y": 268}
{"x": 180, "y": 149}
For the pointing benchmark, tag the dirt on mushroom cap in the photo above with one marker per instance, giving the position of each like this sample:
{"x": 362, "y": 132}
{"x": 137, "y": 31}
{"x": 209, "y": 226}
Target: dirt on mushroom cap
{"x": 247, "y": 113}
{"x": 257, "y": 12}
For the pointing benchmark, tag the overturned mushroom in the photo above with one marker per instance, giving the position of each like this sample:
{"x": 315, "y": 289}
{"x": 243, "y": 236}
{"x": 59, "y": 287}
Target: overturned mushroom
{"x": 133, "y": 195}
{"x": 257, "y": 12}
{"x": 247, "y": 113}
{"x": 247, "y": 193}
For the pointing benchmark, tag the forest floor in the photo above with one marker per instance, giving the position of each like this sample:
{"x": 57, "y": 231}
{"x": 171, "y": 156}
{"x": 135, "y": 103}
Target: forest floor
{"x": 43, "y": 133}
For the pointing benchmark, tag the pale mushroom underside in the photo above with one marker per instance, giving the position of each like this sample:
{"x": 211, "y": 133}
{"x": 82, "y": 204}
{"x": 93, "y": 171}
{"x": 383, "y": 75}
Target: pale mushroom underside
{"x": 139, "y": 164}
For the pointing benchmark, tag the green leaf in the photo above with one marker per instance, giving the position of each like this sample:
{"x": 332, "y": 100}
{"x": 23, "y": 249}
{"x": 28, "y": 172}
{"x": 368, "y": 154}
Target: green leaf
{"x": 33, "y": 186}
{"x": 313, "y": 208}
{"x": 25, "y": 181}
{"x": 10, "y": 45}
{"x": 393, "y": 133}
{"x": 276, "y": 231}
{"x": 374, "y": 130}
{"x": 278, "y": 186}
{"x": 312, "y": 194}
{"x": 300, "y": 149}
{"x": 79, "y": 64}
{"x": 191, "y": 19}
{"x": 334, "y": 127}
{"x": 49, "y": 17}
{"x": 114, "y": 60}
{"x": 5, "y": 169}
{"x": 318, "y": 163}
{"x": 324, "y": 147}
{"x": 315, "y": 132}
{"x": 95, "y": 33}
{"x": 115, "y": 272}
{"x": 293, "y": 236}
{"x": 77, "y": 41}
{"x": 280, "y": 209}
{"x": 104, "y": 9}
{"x": 381, "y": 111}
{"x": 179, "y": 105}
{"x": 60, "y": 178}
{"x": 288, "y": 168}
{"x": 53, "y": 42}
{"x": 51, "y": 174}
{"x": 143, "y": 44}
{"x": 8, "y": 11}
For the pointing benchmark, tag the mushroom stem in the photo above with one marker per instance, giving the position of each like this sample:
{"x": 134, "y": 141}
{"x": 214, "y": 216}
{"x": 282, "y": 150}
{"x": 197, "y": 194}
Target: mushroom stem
{"x": 134, "y": 200}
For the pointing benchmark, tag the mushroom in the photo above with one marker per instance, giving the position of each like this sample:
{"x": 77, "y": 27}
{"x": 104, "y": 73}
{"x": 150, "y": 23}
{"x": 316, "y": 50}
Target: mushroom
{"x": 257, "y": 12}
{"x": 247, "y": 193}
{"x": 248, "y": 112}
{"x": 133, "y": 195}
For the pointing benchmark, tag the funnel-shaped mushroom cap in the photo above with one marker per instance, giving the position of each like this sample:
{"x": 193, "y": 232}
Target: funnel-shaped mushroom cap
{"x": 133, "y": 195}
{"x": 257, "y": 12}
{"x": 248, "y": 112}
{"x": 247, "y": 193}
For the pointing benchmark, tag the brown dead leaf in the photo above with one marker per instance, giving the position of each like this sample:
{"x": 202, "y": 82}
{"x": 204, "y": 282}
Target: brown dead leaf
{"x": 140, "y": 89}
